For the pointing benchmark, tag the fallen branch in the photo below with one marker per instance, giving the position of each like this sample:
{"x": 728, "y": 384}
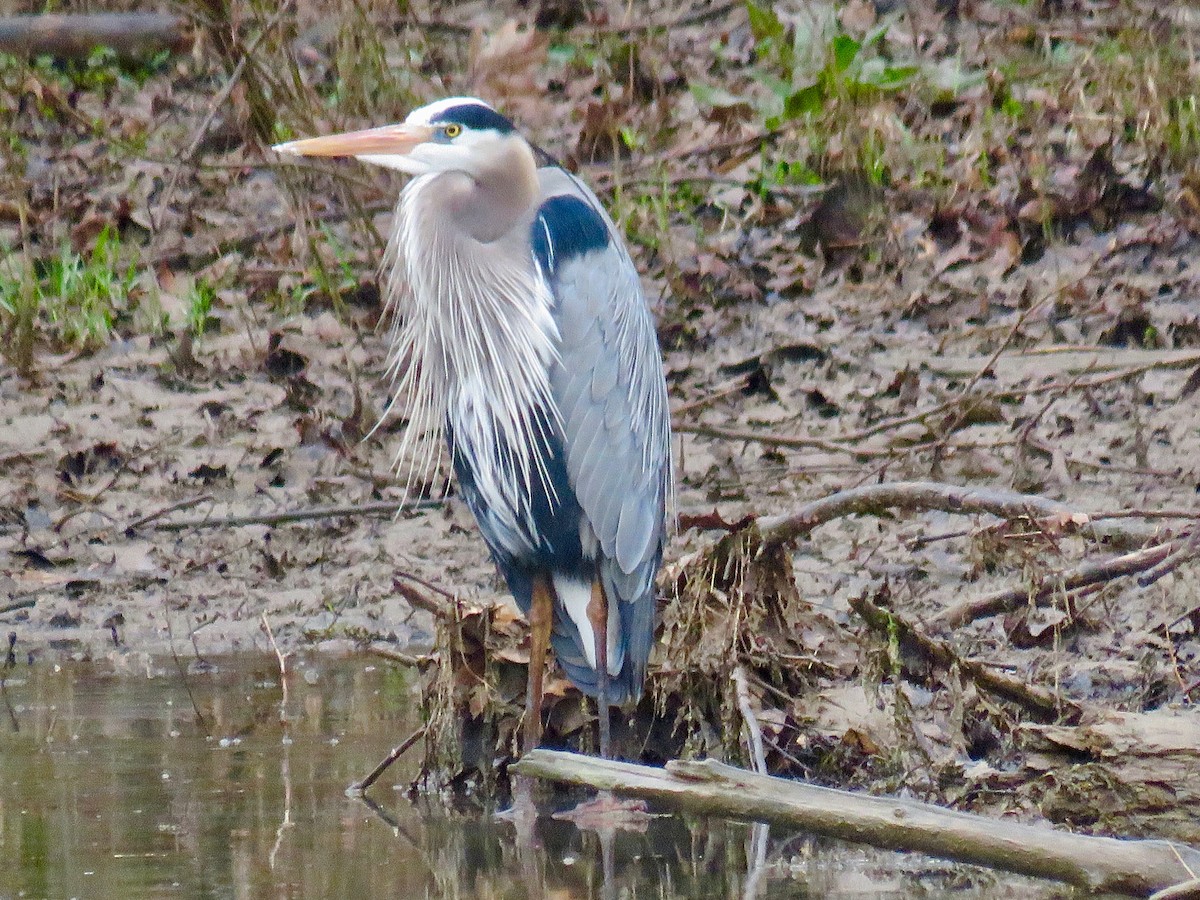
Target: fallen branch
{"x": 129, "y": 35}
{"x": 1037, "y": 701}
{"x": 1049, "y": 586}
{"x": 1131, "y": 867}
{"x": 876, "y": 499}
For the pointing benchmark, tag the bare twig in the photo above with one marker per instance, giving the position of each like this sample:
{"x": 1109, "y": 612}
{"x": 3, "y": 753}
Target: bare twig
{"x": 205, "y": 562}
{"x": 18, "y": 605}
{"x": 298, "y": 515}
{"x": 283, "y": 673}
{"x": 437, "y": 589}
{"x": 761, "y": 834}
{"x": 401, "y": 659}
{"x": 165, "y": 511}
{"x": 747, "y": 710}
{"x": 360, "y": 787}
{"x": 960, "y": 403}
{"x": 179, "y": 667}
{"x": 797, "y": 442}
{"x": 731, "y": 387}
{"x": 1186, "y": 549}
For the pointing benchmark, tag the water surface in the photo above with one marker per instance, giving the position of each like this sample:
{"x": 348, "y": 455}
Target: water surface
{"x": 151, "y": 778}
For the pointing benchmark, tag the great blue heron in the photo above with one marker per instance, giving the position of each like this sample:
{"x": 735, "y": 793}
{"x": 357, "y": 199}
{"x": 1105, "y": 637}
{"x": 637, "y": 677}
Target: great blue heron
{"x": 520, "y": 332}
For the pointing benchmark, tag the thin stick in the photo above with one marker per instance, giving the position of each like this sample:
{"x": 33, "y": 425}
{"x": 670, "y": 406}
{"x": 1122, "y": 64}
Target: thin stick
{"x": 795, "y": 442}
{"x": 742, "y": 689}
{"x": 299, "y": 515}
{"x": 165, "y": 511}
{"x": 18, "y": 605}
{"x": 831, "y": 442}
{"x": 401, "y": 659}
{"x": 360, "y": 787}
{"x": 737, "y": 384}
{"x": 283, "y": 679}
{"x": 179, "y": 667}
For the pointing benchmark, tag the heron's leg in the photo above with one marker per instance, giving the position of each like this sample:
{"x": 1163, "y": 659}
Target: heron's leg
{"x": 541, "y": 609}
{"x": 597, "y": 613}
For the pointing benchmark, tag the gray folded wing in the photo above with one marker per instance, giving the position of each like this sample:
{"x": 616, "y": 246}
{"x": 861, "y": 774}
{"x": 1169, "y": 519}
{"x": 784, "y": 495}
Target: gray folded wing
{"x": 611, "y": 396}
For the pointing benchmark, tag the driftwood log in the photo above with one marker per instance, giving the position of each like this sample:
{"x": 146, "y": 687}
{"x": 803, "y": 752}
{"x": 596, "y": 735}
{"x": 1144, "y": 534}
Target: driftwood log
{"x": 1136, "y": 868}
{"x": 76, "y": 36}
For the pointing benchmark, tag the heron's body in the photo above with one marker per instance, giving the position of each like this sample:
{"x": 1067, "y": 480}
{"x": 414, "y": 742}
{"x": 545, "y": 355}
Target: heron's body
{"x": 521, "y": 333}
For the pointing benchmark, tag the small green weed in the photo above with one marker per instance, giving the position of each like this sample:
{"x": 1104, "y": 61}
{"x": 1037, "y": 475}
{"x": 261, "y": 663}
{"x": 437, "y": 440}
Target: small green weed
{"x": 845, "y": 68}
{"x": 18, "y": 312}
{"x": 323, "y": 282}
{"x": 69, "y": 299}
{"x": 200, "y": 304}
{"x": 80, "y": 296}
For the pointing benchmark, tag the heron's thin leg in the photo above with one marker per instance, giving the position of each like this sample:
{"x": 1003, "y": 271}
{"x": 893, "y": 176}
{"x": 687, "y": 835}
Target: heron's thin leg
{"x": 541, "y": 607}
{"x": 597, "y": 613}
{"x": 540, "y": 611}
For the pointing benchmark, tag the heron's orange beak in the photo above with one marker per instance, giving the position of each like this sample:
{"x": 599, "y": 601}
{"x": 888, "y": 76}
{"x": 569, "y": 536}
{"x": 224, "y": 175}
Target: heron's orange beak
{"x": 390, "y": 140}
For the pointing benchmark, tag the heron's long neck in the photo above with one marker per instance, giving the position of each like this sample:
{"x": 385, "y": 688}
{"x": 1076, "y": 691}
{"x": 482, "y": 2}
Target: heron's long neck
{"x": 475, "y": 337}
{"x": 499, "y": 198}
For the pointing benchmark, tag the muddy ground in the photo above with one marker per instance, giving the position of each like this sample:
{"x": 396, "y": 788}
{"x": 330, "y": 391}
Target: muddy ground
{"x": 939, "y": 242}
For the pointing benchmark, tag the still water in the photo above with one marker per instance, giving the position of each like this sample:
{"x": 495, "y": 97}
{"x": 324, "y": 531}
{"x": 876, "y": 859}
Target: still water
{"x": 160, "y": 780}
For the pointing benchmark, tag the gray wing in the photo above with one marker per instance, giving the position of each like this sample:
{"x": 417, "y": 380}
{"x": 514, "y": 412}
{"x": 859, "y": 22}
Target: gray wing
{"x": 611, "y": 396}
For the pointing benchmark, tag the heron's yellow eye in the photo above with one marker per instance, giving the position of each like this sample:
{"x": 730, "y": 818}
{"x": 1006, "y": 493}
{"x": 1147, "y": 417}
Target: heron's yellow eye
{"x": 453, "y": 130}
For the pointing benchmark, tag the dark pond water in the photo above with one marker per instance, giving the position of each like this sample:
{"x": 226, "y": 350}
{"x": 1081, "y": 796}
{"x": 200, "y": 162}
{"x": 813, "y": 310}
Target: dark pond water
{"x": 152, "y": 782}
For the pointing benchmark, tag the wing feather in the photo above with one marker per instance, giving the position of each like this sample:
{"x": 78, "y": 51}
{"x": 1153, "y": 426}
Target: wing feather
{"x": 616, "y": 462}
{"x": 607, "y": 382}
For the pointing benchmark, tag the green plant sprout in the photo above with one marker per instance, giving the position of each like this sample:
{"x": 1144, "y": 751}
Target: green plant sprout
{"x": 200, "y": 304}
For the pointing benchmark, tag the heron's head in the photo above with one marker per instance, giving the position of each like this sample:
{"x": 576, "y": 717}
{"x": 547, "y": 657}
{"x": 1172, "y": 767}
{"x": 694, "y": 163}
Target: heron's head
{"x": 460, "y": 134}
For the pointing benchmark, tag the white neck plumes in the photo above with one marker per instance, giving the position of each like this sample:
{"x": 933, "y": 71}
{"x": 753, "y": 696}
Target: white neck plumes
{"x": 472, "y": 342}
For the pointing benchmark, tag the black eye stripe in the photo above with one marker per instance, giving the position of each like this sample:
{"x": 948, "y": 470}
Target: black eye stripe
{"x": 473, "y": 115}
